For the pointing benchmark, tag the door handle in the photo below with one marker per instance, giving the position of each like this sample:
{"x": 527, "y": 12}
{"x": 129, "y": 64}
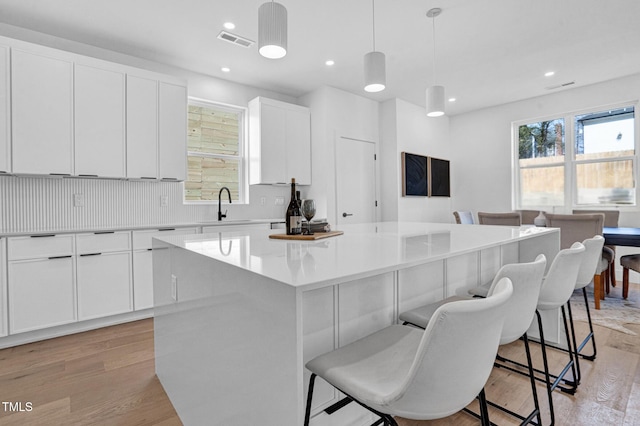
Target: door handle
{"x": 347, "y": 214}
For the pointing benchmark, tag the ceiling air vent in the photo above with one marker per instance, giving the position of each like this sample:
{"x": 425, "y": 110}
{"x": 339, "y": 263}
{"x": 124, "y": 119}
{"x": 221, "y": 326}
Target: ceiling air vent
{"x": 235, "y": 39}
{"x": 561, "y": 85}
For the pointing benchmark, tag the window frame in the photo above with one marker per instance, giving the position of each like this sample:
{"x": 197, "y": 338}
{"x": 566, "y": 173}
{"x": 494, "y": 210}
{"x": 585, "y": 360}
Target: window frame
{"x": 570, "y": 162}
{"x": 242, "y": 157}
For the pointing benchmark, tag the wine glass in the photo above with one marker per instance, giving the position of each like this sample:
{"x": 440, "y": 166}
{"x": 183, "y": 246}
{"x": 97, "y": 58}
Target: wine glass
{"x": 308, "y": 211}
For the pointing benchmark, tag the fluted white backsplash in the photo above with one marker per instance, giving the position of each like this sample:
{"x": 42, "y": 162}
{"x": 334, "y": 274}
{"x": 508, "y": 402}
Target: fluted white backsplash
{"x": 47, "y": 204}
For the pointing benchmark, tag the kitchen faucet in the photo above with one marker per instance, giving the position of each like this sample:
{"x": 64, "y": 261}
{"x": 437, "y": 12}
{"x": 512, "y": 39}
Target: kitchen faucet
{"x": 220, "y": 215}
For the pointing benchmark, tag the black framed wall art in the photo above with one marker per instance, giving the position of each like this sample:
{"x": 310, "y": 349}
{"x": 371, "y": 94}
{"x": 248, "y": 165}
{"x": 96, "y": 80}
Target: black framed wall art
{"x": 439, "y": 177}
{"x": 414, "y": 175}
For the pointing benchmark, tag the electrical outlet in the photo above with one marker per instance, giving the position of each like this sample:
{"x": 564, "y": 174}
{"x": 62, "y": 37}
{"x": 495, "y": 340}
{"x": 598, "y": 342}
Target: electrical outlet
{"x": 263, "y": 201}
{"x": 174, "y": 287}
{"x": 279, "y": 201}
{"x": 164, "y": 200}
{"x": 78, "y": 200}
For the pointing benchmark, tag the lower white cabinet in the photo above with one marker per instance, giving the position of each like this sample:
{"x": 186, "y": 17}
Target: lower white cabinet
{"x": 41, "y": 293}
{"x": 104, "y": 274}
{"x": 4, "y": 319}
{"x": 104, "y": 285}
{"x": 143, "y": 263}
{"x": 41, "y": 282}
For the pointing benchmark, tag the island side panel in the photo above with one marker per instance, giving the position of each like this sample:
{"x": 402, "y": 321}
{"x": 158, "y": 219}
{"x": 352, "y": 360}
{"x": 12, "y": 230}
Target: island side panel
{"x": 227, "y": 350}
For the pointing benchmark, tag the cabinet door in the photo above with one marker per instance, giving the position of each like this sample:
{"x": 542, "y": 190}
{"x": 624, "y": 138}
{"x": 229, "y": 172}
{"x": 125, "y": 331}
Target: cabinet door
{"x": 298, "y": 149}
{"x": 142, "y": 127}
{"x": 273, "y": 134}
{"x": 5, "y": 128}
{"x": 41, "y": 113}
{"x": 41, "y": 294}
{"x": 172, "y": 136}
{"x": 4, "y": 319}
{"x": 99, "y": 122}
{"x": 142, "y": 279}
{"x": 104, "y": 285}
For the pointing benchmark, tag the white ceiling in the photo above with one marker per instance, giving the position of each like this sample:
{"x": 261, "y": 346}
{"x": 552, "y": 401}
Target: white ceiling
{"x": 488, "y": 52}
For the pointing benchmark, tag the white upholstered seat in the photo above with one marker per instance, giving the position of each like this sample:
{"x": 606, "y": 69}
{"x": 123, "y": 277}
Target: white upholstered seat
{"x": 421, "y": 374}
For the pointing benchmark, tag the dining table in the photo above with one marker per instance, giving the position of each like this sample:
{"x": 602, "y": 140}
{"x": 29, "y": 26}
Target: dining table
{"x": 621, "y": 236}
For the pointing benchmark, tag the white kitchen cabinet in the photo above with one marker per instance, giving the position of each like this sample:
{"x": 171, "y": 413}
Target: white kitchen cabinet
{"x": 279, "y": 142}
{"x": 172, "y": 134}
{"x": 5, "y": 108}
{"x": 142, "y": 127}
{"x": 41, "y": 289}
{"x": 99, "y": 122}
{"x": 104, "y": 274}
{"x": 4, "y": 307}
{"x": 42, "y": 113}
{"x": 143, "y": 263}
{"x": 104, "y": 284}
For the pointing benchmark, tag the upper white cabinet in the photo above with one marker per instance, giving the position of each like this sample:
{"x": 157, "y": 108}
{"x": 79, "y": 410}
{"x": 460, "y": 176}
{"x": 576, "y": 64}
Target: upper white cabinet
{"x": 142, "y": 127}
{"x": 68, "y": 114}
{"x": 99, "y": 122}
{"x": 5, "y": 107}
{"x": 279, "y": 142}
{"x": 41, "y": 110}
{"x": 172, "y": 138}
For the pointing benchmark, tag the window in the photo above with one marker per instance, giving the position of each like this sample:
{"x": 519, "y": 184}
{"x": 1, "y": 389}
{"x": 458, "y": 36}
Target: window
{"x": 215, "y": 147}
{"x": 597, "y": 168}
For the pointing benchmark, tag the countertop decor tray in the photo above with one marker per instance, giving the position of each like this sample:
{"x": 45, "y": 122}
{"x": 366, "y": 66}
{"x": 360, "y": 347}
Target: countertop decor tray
{"x": 315, "y": 236}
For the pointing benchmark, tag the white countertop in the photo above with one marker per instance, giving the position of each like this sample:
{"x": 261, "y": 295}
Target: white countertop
{"x": 363, "y": 250}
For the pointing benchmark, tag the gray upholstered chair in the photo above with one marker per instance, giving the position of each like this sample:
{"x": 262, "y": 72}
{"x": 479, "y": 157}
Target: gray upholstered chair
{"x": 508, "y": 219}
{"x": 611, "y": 220}
{"x": 421, "y": 374}
{"x": 463, "y": 217}
{"x": 527, "y": 216}
{"x": 527, "y": 280}
{"x": 579, "y": 227}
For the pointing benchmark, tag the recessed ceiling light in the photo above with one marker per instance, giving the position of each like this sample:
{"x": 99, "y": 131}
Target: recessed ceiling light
{"x": 549, "y": 74}
{"x": 329, "y": 63}
{"x": 452, "y": 99}
{"x": 229, "y": 25}
{"x": 225, "y": 69}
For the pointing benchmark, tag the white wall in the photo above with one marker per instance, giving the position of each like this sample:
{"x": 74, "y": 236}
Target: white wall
{"x": 482, "y": 146}
{"x": 335, "y": 113}
{"x": 406, "y": 128}
{"x": 200, "y": 86}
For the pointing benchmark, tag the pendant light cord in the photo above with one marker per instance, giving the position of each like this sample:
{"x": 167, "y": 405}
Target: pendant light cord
{"x": 373, "y": 7}
{"x": 433, "y": 19}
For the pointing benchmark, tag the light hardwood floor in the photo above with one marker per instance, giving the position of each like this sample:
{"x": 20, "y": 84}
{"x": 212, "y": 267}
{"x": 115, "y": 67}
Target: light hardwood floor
{"x": 106, "y": 377}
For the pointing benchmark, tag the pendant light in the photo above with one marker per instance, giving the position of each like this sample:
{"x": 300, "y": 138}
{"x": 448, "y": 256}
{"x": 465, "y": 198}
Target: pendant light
{"x": 272, "y": 30}
{"x": 375, "y": 74}
{"x": 435, "y": 93}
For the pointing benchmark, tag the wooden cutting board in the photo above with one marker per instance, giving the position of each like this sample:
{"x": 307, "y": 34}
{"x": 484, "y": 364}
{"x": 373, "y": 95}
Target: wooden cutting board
{"x": 315, "y": 236}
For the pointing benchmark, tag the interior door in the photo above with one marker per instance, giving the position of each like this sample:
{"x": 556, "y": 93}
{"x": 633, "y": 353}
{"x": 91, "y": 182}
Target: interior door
{"x": 355, "y": 181}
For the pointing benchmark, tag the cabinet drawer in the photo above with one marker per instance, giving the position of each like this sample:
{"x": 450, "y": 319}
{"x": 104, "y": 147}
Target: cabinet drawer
{"x": 142, "y": 239}
{"x": 103, "y": 242}
{"x": 40, "y": 246}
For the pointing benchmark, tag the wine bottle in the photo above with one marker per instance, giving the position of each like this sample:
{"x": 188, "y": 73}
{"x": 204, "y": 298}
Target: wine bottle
{"x": 293, "y": 216}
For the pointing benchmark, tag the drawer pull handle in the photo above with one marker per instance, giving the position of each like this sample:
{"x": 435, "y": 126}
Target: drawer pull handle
{"x": 150, "y": 249}
{"x": 147, "y": 177}
{"x": 43, "y": 235}
{"x": 104, "y": 232}
{"x": 90, "y": 254}
{"x": 59, "y": 257}
{"x": 82, "y": 175}
{"x": 167, "y": 229}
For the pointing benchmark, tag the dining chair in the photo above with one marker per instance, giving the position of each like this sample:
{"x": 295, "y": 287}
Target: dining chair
{"x": 526, "y": 279}
{"x": 611, "y": 220}
{"x": 508, "y": 219}
{"x": 463, "y": 217}
{"x": 421, "y": 374}
{"x": 527, "y": 217}
{"x": 579, "y": 227}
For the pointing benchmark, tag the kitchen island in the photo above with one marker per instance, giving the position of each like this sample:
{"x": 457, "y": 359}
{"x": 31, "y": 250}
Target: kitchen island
{"x": 238, "y": 314}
